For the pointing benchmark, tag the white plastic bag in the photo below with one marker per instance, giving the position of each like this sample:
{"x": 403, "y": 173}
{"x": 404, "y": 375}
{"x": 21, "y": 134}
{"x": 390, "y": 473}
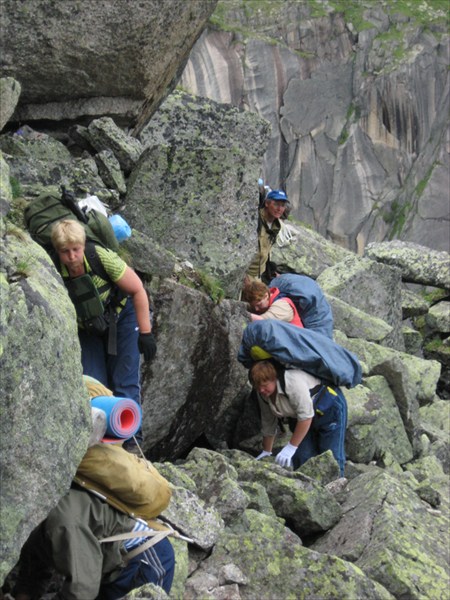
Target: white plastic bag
{"x": 93, "y": 203}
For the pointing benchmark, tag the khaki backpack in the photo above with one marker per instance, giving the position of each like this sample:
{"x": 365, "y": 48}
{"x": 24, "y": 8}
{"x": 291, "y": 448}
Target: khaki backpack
{"x": 125, "y": 481}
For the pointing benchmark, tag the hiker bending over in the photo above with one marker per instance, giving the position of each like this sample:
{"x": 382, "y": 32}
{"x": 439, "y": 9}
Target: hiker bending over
{"x": 68, "y": 542}
{"x": 317, "y": 414}
{"x": 112, "y": 311}
{"x": 266, "y": 303}
{"x": 269, "y": 226}
{"x": 72, "y": 539}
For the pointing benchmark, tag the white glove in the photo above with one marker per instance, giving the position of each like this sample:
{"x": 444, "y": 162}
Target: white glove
{"x": 284, "y": 457}
{"x": 263, "y": 454}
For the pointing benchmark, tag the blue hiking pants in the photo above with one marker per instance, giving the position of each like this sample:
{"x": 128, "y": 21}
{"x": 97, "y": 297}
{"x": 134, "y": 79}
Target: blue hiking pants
{"x": 327, "y": 432}
{"x": 154, "y": 565}
{"x": 120, "y": 373}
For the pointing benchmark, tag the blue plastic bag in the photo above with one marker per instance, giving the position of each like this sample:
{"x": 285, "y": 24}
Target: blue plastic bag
{"x": 122, "y": 230}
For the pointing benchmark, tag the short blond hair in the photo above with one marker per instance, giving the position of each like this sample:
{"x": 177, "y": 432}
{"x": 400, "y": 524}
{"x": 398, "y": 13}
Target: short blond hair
{"x": 262, "y": 372}
{"x": 68, "y": 231}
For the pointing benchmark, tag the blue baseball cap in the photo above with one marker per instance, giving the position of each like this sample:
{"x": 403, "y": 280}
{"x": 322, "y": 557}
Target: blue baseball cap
{"x": 277, "y": 195}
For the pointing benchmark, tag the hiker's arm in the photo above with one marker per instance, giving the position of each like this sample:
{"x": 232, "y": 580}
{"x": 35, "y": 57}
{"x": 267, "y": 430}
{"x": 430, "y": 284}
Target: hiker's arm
{"x": 301, "y": 429}
{"x": 268, "y": 442}
{"x": 131, "y": 284}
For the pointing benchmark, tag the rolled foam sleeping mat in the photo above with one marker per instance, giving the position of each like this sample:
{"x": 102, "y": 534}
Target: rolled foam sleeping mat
{"x": 123, "y": 416}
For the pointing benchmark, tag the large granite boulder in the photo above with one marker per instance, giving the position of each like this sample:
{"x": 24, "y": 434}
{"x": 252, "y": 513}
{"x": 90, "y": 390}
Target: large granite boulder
{"x": 194, "y": 190}
{"x": 81, "y": 59}
{"x": 9, "y": 96}
{"x": 392, "y": 536}
{"x": 418, "y": 264}
{"x": 45, "y": 414}
{"x": 195, "y": 381}
{"x": 370, "y": 286}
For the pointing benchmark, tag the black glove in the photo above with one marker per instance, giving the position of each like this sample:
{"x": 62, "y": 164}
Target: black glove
{"x": 147, "y": 345}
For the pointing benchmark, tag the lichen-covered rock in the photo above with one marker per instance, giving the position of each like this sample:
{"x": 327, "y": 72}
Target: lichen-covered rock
{"x": 435, "y": 423}
{"x": 422, "y": 374}
{"x": 192, "y": 517}
{"x": 284, "y": 568}
{"x": 5, "y": 187}
{"x": 104, "y": 58}
{"x": 196, "y": 195}
{"x": 418, "y": 264}
{"x": 413, "y": 305}
{"x": 9, "y": 96}
{"x": 307, "y": 505}
{"x": 370, "y": 286}
{"x": 216, "y": 481}
{"x": 45, "y": 413}
{"x": 110, "y": 172}
{"x": 323, "y": 468}
{"x": 413, "y": 340}
{"x": 375, "y": 426}
{"x": 104, "y": 134}
{"x": 438, "y": 317}
{"x": 388, "y": 532}
{"x": 306, "y": 252}
{"x": 37, "y": 160}
{"x": 356, "y": 323}
{"x": 193, "y": 385}
{"x": 258, "y": 498}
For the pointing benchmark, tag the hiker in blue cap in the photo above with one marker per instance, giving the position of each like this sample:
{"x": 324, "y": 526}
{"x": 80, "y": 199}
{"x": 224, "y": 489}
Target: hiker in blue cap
{"x": 113, "y": 314}
{"x": 269, "y": 225}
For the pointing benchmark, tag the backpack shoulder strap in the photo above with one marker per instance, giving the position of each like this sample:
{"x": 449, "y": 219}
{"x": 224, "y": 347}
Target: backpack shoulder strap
{"x": 94, "y": 261}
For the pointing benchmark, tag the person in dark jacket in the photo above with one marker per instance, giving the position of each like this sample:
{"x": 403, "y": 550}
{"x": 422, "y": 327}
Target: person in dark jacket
{"x": 69, "y": 542}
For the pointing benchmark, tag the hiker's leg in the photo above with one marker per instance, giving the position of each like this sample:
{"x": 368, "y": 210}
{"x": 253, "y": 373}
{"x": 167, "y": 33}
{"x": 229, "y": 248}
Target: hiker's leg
{"x": 124, "y": 368}
{"x": 155, "y": 565}
{"x": 331, "y": 430}
{"x": 307, "y": 449}
{"x": 93, "y": 356}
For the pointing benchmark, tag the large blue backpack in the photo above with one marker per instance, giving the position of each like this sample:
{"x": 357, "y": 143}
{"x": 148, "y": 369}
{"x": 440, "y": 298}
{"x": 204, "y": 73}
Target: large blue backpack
{"x": 310, "y": 302}
{"x": 305, "y": 349}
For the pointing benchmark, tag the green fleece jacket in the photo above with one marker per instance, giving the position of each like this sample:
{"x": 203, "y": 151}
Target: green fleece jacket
{"x": 67, "y": 541}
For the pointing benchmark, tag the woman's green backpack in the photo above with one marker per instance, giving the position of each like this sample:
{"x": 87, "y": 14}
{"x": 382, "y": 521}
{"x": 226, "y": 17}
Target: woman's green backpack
{"x": 50, "y": 207}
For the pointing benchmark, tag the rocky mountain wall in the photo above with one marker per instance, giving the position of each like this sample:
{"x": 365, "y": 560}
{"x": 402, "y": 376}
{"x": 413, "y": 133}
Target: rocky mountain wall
{"x": 357, "y": 98}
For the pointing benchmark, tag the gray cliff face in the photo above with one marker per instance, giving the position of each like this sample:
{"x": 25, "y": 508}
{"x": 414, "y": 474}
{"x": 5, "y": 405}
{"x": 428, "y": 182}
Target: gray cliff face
{"x": 358, "y": 104}
{"x": 97, "y": 58}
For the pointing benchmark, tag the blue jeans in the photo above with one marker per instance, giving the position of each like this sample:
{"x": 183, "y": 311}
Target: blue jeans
{"x": 327, "y": 432}
{"x": 120, "y": 373}
{"x": 155, "y": 565}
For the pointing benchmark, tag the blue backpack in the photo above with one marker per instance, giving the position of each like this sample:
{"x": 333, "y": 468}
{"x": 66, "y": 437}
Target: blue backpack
{"x": 297, "y": 347}
{"x": 310, "y": 302}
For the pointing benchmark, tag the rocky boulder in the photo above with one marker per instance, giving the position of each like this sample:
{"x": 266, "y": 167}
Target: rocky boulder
{"x": 106, "y": 58}
{"x": 46, "y": 420}
{"x": 387, "y": 531}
